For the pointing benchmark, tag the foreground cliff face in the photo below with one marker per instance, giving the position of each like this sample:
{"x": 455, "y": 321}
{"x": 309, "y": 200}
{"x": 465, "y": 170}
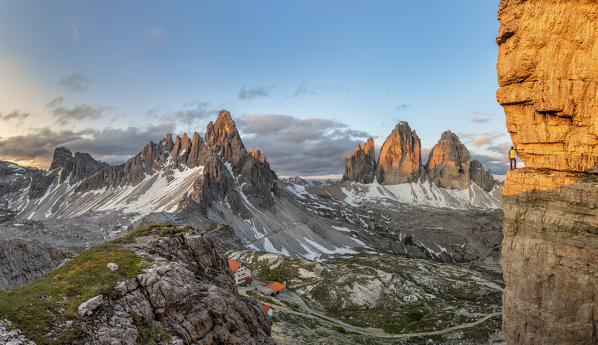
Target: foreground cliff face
{"x": 548, "y": 80}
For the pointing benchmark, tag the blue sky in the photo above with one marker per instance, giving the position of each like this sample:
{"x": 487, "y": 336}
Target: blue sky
{"x": 127, "y": 72}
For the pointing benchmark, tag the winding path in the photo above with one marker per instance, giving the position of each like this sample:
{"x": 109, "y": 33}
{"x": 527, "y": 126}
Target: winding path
{"x": 374, "y": 332}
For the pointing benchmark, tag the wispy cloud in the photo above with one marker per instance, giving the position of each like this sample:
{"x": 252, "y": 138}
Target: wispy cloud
{"x": 403, "y": 107}
{"x": 83, "y": 111}
{"x": 191, "y": 113}
{"x": 14, "y": 115}
{"x": 75, "y": 82}
{"x": 256, "y": 91}
{"x": 75, "y": 36}
{"x": 306, "y": 88}
{"x": 158, "y": 34}
{"x": 479, "y": 120}
{"x": 112, "y": 145}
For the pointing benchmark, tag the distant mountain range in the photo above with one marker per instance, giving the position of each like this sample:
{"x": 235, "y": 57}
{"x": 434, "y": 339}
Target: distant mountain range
{"x": 200, "y": 180}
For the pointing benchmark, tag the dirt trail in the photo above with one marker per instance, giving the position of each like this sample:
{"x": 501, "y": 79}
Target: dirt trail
{"x": 374, "y": 332}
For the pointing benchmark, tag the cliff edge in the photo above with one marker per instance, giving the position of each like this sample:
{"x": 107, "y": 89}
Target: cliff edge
{"x": 548, "y": 80}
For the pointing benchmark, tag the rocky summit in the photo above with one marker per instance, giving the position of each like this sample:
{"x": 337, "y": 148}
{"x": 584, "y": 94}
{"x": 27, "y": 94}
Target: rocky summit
{"x": 548, "y": 83}
{"x": 77, "y": 167}
{"x": 360, "y": 166}
{"x": 448, "y": 163}
{"x": 400, "y": 157}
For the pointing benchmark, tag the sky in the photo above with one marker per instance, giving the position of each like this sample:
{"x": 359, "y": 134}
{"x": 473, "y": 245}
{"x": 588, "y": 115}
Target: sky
{"x": 305, "y": 81}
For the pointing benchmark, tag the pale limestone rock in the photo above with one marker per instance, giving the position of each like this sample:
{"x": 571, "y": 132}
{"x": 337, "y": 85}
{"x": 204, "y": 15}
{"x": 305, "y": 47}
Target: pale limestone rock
{"x": 87, "y": 308}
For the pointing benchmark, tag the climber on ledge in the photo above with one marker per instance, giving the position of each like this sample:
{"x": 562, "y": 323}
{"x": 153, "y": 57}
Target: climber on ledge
{"x": 512, "y": 159}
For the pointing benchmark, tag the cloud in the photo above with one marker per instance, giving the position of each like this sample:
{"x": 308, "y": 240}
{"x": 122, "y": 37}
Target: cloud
{"x": 158, "y": 34}
{"x": 501, "y": 149}
{"x": 75, "y": 82}
{"x": 479, "y": 120}
{"x": 109, "y": 144}
{"x": 300, "y": 146}
{"x": 55, "y": 102}
{"x": 14, "y": 115}
{"x": 255, "y": 91}
{"x": 425, "y": 153}
{"x": 74, "y": 32}
{"x": 497, "y": 164}
{"x": 79, "y": 112}
{"x": 191, "y": 113}
{"x": 480, "y": 139}
{"x": 306, "y": 88}
{"x": 403, "y": 107}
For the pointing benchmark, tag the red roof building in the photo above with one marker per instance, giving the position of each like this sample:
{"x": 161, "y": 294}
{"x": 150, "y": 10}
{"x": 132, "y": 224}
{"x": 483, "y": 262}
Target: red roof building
{"x": 268, "y": 309}
{"x": 276, "y": 287}
{"x": 241, "y": 273}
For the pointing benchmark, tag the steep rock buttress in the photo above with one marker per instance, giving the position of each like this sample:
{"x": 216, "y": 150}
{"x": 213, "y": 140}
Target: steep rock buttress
{"x": 548, "y": 78}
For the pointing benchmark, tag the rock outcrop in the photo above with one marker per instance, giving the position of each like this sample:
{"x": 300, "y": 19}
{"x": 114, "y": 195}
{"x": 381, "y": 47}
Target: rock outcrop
{"x": 181, "y": 292}
{"x": 360, "y": 166}
{"x": 481, "y": 177}
{"x": 548, "y": 80}
{"x": 78, "y": 167}
{"x": 449, "y": 162}
{"x": 22, "y": 261}
{"x": 400, "y": 157}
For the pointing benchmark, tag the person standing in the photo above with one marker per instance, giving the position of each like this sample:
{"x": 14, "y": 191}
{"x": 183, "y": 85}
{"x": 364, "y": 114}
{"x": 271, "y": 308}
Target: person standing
{"x": 512, "y": 159}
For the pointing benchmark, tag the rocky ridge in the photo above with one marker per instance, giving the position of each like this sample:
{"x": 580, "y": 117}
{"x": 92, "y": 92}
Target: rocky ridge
{"x": 224, "y": 171}
{"x": 548, "y": 83}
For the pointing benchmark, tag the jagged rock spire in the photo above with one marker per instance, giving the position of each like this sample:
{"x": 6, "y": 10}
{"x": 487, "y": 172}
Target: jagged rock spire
{"x": 400, "y": 156}
{"x": 360, "y": 166}
{"x": 449, "y": 162}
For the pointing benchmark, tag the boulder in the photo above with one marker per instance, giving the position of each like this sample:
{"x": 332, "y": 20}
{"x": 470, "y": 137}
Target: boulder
{"x": 87, "y": 308}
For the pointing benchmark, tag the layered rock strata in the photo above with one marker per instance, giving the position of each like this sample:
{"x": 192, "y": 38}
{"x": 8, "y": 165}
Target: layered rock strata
{"x": 22, "y": 261}
{"x": 400, "y": 157}
{"x": 360, "y": 166}
{"x": 548, "y": 80}
{"x": 449, "y": 162}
